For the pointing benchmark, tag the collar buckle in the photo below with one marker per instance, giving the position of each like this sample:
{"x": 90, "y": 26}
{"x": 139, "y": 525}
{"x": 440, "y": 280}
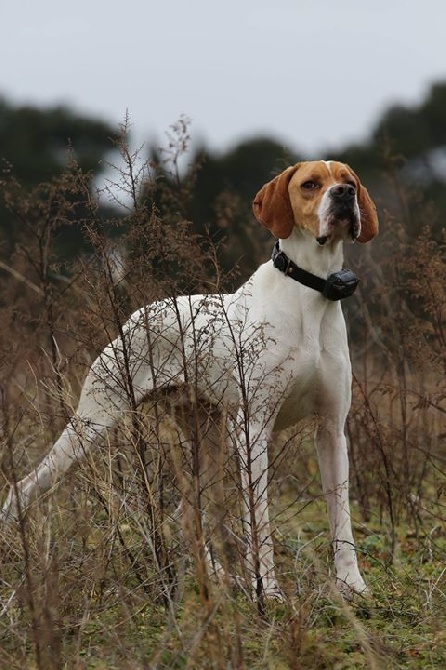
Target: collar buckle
{"x": 280, "y": 259}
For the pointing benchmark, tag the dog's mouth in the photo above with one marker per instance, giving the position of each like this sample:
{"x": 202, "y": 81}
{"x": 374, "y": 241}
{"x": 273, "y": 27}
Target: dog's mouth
{"x": 342, "y": 223}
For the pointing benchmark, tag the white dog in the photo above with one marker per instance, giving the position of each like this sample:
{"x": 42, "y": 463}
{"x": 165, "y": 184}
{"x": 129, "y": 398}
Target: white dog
{"x": 267, "y": 356}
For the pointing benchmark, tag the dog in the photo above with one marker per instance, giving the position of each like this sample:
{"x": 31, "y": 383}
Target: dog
{"x": 267, "y": 356}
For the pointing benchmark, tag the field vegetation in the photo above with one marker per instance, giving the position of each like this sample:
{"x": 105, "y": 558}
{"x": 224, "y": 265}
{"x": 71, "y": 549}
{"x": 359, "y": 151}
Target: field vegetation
{"x": 107, "y": 573}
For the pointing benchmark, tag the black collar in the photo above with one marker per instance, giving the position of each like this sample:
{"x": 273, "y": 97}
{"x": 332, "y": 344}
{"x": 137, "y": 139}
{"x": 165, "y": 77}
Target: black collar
{"x": 338, "y": 285}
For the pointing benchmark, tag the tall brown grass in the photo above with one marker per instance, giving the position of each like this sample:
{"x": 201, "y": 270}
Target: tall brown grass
{"x": 111, "y": 567}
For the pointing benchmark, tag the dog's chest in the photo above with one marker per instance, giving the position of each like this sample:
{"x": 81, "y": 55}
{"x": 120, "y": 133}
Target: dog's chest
{"x": 304, "y": 377}
{"x": 316, "y": 372}
{"x": 301, "y": 397}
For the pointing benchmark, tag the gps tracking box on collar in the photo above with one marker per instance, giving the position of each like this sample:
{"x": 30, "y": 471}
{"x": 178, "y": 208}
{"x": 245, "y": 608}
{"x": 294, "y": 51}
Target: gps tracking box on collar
{"x": 337, "y": 286}
{"x": 340, "y": 284}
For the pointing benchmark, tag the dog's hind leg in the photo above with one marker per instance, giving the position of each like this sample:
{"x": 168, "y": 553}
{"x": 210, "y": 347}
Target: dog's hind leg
{"x": 74, "y": 442}
{"x": 106, "y": 395}
{"x": 198, "y": 460}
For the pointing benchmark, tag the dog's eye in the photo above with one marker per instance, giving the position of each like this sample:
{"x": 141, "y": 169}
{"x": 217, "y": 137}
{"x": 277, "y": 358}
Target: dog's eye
{"x": 309, "y": 185}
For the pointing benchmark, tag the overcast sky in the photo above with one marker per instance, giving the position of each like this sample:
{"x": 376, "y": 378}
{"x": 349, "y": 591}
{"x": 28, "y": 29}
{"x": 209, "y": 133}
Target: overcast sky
{"x": 313, "y": 73}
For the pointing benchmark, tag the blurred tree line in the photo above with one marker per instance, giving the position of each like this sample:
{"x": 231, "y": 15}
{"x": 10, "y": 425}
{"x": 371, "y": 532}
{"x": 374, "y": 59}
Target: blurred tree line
{"x": 36, "y": 146}
{"x": 214, "y": 191}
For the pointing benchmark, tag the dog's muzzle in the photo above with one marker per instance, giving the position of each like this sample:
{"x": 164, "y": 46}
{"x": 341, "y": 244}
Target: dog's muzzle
{"x": 342, "y": 212}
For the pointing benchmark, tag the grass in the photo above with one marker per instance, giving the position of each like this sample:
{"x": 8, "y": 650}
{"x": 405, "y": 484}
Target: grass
{"x": 96, "y": 598}
{"x": 100, "y": 577}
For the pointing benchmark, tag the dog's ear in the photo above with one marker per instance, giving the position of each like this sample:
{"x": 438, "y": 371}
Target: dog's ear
{"x": 272, "y": 207}
{"x": 367, "y": 209}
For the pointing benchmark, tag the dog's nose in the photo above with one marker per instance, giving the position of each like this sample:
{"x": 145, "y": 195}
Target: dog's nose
{"x": 343, "y": 192}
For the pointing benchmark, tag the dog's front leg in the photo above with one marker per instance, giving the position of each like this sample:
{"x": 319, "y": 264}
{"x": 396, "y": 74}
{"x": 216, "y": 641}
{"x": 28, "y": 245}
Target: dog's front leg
{"x": 333, "y": 462}
{"x": 252, "y": 449}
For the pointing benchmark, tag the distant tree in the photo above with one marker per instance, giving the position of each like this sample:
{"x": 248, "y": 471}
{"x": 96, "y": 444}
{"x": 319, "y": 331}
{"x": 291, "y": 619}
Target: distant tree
{"x": 405, "y": 129}
{"x": 37, "y": 144}
{"x": 415, "y": 131}
{"x": 407, "y": 143}
{"x": 36, "y": 141}
{"x": 217, "y": 192}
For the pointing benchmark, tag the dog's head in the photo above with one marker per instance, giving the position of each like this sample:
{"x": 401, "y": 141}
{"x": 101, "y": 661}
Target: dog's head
{"x": 325, "y": 198}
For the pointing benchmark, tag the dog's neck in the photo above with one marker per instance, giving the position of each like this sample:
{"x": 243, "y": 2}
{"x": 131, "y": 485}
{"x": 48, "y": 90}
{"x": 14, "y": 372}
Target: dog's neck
{"x": 302, "y": 248}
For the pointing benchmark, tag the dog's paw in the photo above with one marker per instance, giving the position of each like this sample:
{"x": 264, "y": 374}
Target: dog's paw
{"x": 274, "y": 594}
{"x": 350, "y": 587}
{"x": 268, "y": 590}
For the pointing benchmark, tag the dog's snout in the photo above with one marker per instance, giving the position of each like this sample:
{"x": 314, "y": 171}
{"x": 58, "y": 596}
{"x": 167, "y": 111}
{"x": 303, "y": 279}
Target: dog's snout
{"x": 343, "y": 192}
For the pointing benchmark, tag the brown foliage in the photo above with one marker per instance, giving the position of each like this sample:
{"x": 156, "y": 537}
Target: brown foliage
{"x": 112, "y": 548}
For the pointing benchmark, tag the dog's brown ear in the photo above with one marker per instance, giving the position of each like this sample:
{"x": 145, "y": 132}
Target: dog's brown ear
{"x": 272, "y": 207}
{"x": 367, "y": 209}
